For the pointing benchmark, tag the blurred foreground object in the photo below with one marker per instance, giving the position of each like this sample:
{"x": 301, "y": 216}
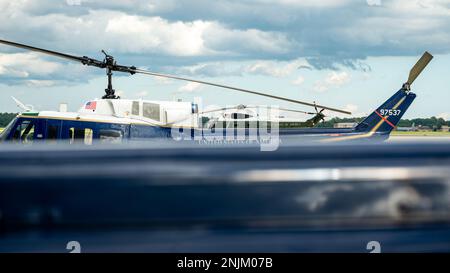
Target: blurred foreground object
{"x": 157, "y": 198}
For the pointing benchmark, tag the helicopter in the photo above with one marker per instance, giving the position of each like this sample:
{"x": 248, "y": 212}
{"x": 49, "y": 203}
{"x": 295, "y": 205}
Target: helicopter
{"x": 113, "y": 119}
{"x": 245, "y": 116}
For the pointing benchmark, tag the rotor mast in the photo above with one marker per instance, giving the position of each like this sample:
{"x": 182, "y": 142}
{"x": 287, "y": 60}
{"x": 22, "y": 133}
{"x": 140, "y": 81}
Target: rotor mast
{"x": 109, "y": 63}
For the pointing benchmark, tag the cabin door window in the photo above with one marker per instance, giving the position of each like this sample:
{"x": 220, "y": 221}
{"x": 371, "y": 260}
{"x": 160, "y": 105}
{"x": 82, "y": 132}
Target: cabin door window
{"x": 80, "y": 135}
{"x": 53, "y": 130}
{"x": 135, "y": 108}
{"x": 110, "y": 136}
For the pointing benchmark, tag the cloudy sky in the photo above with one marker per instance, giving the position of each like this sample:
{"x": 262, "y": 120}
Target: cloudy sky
{"x": 341, "y": 53}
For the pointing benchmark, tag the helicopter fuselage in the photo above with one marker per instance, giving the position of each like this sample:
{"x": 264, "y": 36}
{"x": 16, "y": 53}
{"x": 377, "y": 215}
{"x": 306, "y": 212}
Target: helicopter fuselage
{"x": 118, "y": 120}
{"x": 77, "y": 128}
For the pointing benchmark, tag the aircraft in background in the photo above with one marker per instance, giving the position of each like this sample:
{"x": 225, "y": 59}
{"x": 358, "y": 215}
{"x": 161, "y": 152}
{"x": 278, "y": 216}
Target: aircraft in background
{"x": 245, "y": 116}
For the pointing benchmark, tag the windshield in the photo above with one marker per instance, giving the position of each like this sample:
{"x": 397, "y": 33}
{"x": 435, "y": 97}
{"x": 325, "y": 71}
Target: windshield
{"x": 7, "y": 129}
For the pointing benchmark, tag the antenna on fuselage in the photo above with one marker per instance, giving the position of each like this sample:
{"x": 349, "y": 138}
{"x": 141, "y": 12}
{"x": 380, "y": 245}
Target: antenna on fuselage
{"x": 26, "y": 108}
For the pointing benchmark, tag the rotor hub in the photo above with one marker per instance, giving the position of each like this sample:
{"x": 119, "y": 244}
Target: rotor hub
{"x": 406, "y": 86}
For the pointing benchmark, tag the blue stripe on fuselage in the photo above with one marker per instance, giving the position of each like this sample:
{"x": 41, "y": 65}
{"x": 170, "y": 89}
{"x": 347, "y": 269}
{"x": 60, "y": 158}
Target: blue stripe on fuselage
{"x": 138, "y": 131}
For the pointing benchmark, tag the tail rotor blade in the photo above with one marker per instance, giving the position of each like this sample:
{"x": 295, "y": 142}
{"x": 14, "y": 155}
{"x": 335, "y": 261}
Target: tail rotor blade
{"x": 419, "y": 67}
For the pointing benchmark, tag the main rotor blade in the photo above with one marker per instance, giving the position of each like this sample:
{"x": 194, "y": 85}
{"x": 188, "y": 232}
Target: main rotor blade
{"x": 297, "y": 111}
{"x": 238, "y": 89}
{"x": 41, "y": 50}
{"x": 131, "y": 69}
{"x": 252, "y": 107}
{"x": 218, "y": 110}
{"x": 419, "y": 66}
{"x": 84, "y": 60}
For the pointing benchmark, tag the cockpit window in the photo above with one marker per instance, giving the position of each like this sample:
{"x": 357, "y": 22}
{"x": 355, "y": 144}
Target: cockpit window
{"x": 151, "y": 111}
{"x": 27, "y": 133}
{"x": 4, "y": 134}
{"x": 24, "y": 132}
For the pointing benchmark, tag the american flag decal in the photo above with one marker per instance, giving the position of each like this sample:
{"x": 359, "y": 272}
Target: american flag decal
{"x": 91, "y": 105}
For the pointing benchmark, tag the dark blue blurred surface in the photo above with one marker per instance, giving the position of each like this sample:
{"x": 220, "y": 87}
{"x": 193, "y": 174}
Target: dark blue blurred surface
{"x": 163, "y": 197}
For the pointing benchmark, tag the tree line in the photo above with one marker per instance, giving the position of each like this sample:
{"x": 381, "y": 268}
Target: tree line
{"x": 5, "y": 118}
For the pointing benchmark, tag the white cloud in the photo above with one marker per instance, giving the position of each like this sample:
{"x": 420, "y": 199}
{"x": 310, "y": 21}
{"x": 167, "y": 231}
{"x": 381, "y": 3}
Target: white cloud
{"x": 142, "y": 94}
{"x": 120, "y": 93}
{"x": 251, "y": 35}
{"x": 299, "y": 80}
{"x": 351, "y": 108}
{"x": 420, "y": 7}
{"x": 276, "y": 68}
{"x": 32, "y": 69}
{"x": 73, "y": 2}
{"x": 190, "y": 87}
{"x": 210, "y": 69}
{"x": 320, "y": 86}
{"x": 22, "y": 64}
{"x": 333, "y": 79}
{"x": 373, "y": 2}
{"x": 338, "y": 78}
{"x": 421, "y": 22}
{"x": 122, "y": 32}
{"x": 144, "y": 34}
{"x": 307, "y": 3}
{"x": 137, "y": 34}
{"x": 231, "y": 29}
{"x": 445, "y": 116}
{"x": 161, "y": 80}
{"x": 40, "y": 83}
{"x": 245, "y": 42}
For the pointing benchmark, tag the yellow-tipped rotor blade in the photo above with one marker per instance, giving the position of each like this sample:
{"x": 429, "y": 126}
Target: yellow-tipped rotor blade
{"x": 419, "y": 66}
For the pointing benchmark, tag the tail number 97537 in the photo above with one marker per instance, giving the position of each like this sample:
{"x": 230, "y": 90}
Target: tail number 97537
{"x": 390, "y": 112}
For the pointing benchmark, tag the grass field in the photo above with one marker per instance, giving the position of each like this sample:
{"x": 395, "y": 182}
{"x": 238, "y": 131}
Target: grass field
{"x": 434, "y": 134}
{"x": 1, "y": 129}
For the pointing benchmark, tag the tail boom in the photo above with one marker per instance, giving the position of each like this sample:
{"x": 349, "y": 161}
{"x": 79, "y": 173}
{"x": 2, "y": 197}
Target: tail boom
{"x": 386, "y": 117}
